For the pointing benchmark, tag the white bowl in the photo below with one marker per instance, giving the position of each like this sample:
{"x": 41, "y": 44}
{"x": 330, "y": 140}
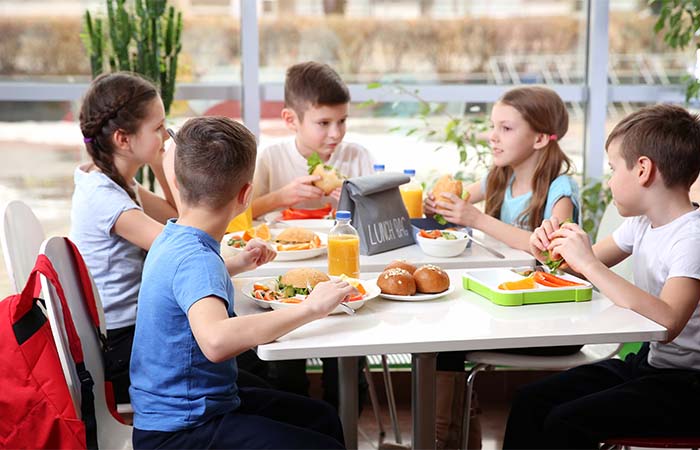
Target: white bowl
{"x": 443, "y": 248}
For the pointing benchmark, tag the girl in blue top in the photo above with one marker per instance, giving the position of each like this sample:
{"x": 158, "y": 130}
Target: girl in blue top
{"x": 528, "y": 181}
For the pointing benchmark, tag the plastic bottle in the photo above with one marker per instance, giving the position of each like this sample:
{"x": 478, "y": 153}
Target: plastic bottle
{"x": 412, "y": 195}
{"x": 378, "y": 168}
{"x": 343, "y": 247}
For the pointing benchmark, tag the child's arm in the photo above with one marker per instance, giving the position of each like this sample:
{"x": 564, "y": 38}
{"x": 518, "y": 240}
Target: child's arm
{"x": 138, "y": 228}
{"x": 299, "y": 190}
{"x": 221, "y": 337}
{"x": 160, "y": 209}
{"x": 256, "y": 253}
{"x": 672, "y": 309}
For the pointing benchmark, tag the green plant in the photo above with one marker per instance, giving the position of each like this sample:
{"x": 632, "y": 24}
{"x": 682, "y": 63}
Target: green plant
{"x": 466, "y": 133}
{"x": 595, "y": 197}
{"x": 680, "y": 21}
{"x": 144, "y": 39}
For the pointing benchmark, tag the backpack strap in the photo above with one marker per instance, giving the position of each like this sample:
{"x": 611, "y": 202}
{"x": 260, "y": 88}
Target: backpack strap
{"x": 87, "y": 403}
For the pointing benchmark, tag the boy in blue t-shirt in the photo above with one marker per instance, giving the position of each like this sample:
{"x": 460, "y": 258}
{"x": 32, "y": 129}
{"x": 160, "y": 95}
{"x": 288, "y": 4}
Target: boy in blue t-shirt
{"x": 183, "y": 365}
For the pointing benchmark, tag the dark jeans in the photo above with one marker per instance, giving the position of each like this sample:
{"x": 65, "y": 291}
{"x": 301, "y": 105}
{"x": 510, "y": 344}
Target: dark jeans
{"x": 290, "y": 376}
{"x": 265, "y": 419}
{"x": 584, "y": 406}
{"x": 454, "y": 361}
{"x": 117, "y": 357}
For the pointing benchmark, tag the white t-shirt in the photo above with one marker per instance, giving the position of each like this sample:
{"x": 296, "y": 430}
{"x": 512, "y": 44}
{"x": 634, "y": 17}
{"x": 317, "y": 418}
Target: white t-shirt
{"x": 668, "y": 251}
{"x": 114, "y": 263}
{"x": 281, "y": 163}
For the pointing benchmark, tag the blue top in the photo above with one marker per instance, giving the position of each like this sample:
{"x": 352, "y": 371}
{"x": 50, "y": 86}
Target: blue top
{"x": 561, "y": 186}
{"x": 115, "y": 263}
{"x": 173, "y": 385}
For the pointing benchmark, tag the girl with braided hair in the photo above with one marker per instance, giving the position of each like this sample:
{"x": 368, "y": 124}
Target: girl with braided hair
{"x": 114, "y": 220}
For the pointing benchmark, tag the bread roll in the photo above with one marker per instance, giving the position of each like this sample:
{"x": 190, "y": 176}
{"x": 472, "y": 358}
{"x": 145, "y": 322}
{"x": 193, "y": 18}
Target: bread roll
{"x": 446, "y": 184}
{"x": 329, "y": 179}
{"x": 431, "y": 279}
{"x": 396, "y": 282}
{"x": 303, "y": 277}
{"x": 295, "y": 235}
{"x": 401, "y": 264}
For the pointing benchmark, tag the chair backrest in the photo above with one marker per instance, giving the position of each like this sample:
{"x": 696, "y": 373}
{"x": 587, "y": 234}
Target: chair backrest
{"x": 21, "y": 236}
{"x": 608, "y": 223}
{"x": 110, "y": 432}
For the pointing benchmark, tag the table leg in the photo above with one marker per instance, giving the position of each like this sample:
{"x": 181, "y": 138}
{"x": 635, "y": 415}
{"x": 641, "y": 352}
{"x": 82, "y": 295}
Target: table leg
{"x": 423, "y": 399}
{"x": 347, "y": 380}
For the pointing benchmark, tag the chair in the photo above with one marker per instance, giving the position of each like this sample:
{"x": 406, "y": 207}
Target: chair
{"x": 21, "y": 235}
{"x": 110, "y": 432}
{"x": 589, "y": 354}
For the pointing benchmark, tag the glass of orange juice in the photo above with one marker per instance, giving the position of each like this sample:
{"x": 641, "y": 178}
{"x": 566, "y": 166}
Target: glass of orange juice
{"x": 241, "y": 222}
{"x": 344, "y": 255}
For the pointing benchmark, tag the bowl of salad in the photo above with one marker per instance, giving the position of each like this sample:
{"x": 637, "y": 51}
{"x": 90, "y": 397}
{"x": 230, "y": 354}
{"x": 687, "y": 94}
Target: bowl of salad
{"x": 442, "y": 243}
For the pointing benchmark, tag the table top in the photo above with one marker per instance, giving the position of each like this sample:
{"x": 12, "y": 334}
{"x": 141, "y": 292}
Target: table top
{"x": 473, "y": 257}
{"x": 461, "y": 320}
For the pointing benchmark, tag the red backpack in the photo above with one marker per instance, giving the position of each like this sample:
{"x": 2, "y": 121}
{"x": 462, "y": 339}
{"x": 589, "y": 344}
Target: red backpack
{"x": 36, "y": 408}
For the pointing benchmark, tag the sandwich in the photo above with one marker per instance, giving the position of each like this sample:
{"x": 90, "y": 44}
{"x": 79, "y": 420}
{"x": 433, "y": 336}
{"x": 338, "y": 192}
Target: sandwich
{"x": 297, "y": 238}
{"x": 300, "y": 281}
{"x": 447, "y": 185}
{"x": 330, "y": 178}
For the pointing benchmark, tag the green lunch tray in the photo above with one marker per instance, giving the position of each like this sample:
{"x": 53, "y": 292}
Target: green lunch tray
{"x": 485, "y": 283}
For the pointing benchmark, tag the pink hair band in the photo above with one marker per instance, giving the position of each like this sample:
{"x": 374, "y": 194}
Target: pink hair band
{"x": 87, "y": 140}
{"x": 553, "y": 137}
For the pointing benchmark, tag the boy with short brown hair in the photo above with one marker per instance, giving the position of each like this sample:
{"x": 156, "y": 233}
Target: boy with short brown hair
{"x": 654, "y": 155}
{"x": 183, "y": 365}
{"x": 316, "y": 109}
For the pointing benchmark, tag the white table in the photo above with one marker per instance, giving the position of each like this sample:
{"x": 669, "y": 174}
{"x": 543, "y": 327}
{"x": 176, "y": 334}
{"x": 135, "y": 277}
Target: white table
{"x": 473, "y": 257}
{"x": 460, "y": 321}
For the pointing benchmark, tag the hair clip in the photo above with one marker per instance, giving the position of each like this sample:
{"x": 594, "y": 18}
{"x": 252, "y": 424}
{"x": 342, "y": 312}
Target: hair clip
{"x": 87, "y": 140}
{"x": 553, "y": 137}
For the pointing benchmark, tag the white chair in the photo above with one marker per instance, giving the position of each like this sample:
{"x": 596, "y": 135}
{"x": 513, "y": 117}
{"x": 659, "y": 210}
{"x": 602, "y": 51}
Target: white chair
{"x": 21, "y": 236}
{"x": 589, "y": 354}
{"x": 110, "y": 432}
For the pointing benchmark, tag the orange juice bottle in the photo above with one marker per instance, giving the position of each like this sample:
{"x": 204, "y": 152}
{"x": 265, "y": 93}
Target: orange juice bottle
{"x": 343, "y": 247}
{"x": 241, "y": 222}
{"x": 412, "y": 195}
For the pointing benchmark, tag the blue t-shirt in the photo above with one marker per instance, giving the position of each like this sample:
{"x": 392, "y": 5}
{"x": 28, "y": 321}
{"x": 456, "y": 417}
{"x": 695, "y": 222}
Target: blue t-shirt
{"x": 173, "y": 385}
{"x": 512, "y": 207}
{"x": 114, "y": 263}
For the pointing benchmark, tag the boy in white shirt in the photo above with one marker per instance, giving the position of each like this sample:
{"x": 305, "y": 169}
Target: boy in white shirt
{"x": 654, "y": 155}
{"x": 316, "y": 108}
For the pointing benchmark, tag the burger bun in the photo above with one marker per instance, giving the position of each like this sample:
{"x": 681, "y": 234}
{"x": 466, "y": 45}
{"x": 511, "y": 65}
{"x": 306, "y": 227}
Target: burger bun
{"x": 329, "y": 181}
{"x": 446, "y": 185}
{"x": 396, "y": 281}
{"x": 401, "y": 264}
{"x": 303, "y": 277}
{"x": 430, "y": 279}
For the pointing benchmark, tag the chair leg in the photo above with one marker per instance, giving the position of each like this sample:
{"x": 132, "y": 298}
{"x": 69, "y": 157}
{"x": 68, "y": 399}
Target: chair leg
{"x": 375, "y": 402}
{"x": 391, "y": 401}
{"x": 468, "y": 401}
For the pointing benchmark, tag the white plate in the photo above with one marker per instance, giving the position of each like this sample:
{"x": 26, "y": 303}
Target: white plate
{"x": 290, "y": 255}
{"x": 322, "y": 225}
{"x": 418, "y": 297}
{"x": 372, "y": 292}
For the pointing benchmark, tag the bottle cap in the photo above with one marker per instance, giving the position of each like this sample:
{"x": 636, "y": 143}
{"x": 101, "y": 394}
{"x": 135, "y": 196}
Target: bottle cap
{"x": 343, "y": 215}
{"x": 378, "y": 167}
{"x": 409, "y": 172}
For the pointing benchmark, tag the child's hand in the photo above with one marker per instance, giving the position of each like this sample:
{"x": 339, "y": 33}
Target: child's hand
{"x": 335, "y": 194}
{"x": 327, "y": 295}
{"x": 540, "y": 239}
{"x": 454, "y": 209}
{"x": 256, "y": 253}
{"x": 429, "y": 204}
{"x": 300, "y": 189}
{"x": 573, "y": 244}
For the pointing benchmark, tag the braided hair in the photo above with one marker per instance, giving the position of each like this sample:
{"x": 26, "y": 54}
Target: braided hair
{"x": 114, "y": 101}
